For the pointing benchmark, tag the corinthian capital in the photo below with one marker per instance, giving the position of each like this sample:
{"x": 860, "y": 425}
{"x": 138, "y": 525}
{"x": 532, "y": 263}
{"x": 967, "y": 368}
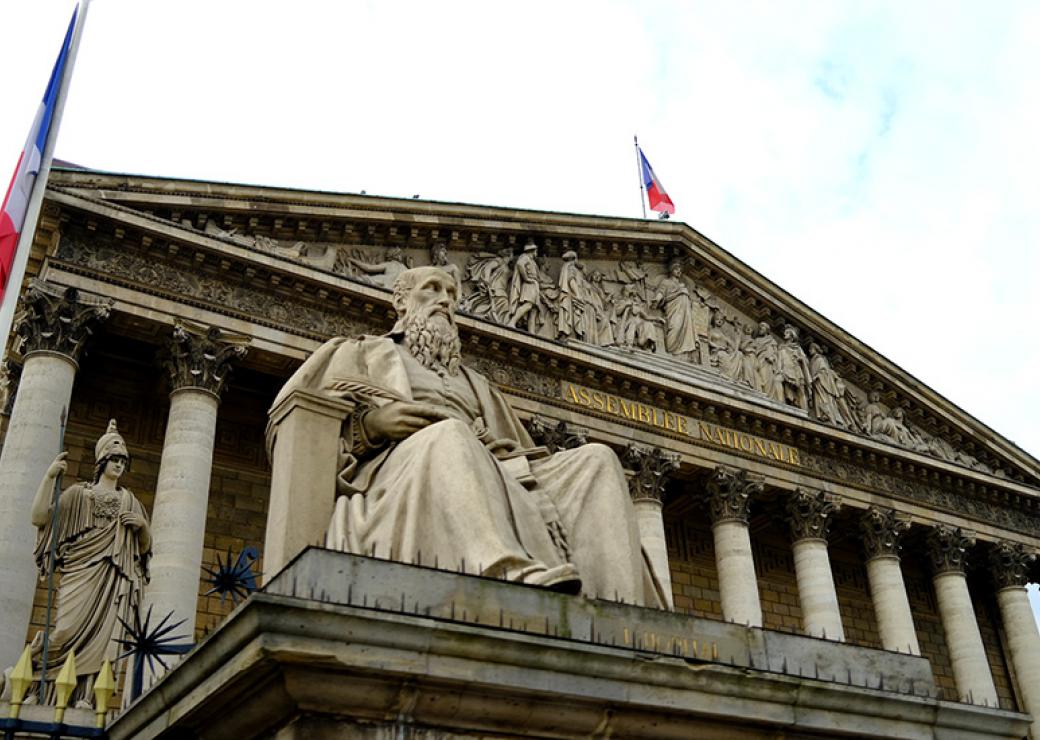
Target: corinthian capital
{"x": 730, "y": 492}
{"x": 881, "y": 530}
{"x": 201, "y": 357}
{"x": 556, "y": 435}
{"x": 1009, "y": 563}
{"x": 650, "y": 467}
{"x": 809, "y": 514}
{"x": 56, "y": 319}
{"x": 947, "y": 547}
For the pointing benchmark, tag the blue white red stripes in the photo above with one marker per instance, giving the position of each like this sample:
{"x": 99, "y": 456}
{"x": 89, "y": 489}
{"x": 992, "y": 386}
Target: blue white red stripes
{"x": 655, "y": 193}
{"x": 16, "y": 201}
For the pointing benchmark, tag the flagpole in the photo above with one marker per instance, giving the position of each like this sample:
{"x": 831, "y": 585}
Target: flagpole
{"x": 639, "y": 171}
{"x": 32, "y": 213}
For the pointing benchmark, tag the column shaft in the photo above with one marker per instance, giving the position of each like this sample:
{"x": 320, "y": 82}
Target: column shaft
{"x": 963, "y": 640}
{"x": 819, "y": 600}
{"x": 651, "y": 536}
{"x": 891, "y": 605}
{"x": 29, "y": 448}
{"x": 738, "y": 584}
{"x": 1024, "y": 645}
{"x": 181, "y": 501}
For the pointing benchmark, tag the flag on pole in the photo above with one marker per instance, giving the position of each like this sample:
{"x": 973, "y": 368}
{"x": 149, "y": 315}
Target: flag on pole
{"x": 655, "y": 193}
{"x": 16, "y": 202}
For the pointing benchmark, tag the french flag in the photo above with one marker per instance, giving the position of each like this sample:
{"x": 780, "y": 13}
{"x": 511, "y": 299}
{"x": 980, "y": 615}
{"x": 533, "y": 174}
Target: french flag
{"x": 16, "y": 202}
{"x": 655, "y": 194}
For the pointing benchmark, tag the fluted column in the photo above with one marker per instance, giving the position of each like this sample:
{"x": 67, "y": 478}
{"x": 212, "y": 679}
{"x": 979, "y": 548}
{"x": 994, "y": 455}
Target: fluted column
{"x": 648, "y": 469}
{"x": 729, "y": 497}
{"x": 946, "y": 548}
{"x": 1009, "y": 565}
{"x": 199, "y": 361}
{"x": 52, "y": 330}
{"x": 809, "y": 515}
{"x": 881, "y": 530}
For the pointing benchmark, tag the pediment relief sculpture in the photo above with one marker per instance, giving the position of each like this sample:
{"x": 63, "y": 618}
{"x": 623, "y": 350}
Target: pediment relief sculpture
{"x": 632, "y": 307}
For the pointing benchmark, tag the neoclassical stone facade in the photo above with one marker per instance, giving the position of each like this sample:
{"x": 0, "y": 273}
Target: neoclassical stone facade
{"x": 788, "y": 482}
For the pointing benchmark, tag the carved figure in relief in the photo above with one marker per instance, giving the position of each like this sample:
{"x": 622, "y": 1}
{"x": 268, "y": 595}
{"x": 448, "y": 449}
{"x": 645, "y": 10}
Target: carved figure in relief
{"x": 828, "y": 391}
{"x": 525, "y": 291}
{"x": 892, "y": 426}
{"x": 576, "y": 317}
{"x": 725, "y": 350}
{"x": 439, "y": 258}
{"x": 768, "y": 379}
{"x": 435, "y": 465}
{"x": 488, "y": 275}
{"x": 794, "y": 369}
{"x": 602, "y": 309}
{"x": 383, "y": 273}
{"x": 103, "y": 546}
{"x": 637, "y": 326}
{"x": 683, "y": 312}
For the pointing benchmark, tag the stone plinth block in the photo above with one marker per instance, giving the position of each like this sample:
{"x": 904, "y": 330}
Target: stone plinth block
{"x": 389, "y": 649}
{"x": 303, "y": 474}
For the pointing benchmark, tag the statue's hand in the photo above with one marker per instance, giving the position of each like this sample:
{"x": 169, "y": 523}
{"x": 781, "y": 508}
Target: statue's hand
{"x": 58, "y": 467}
{"x": 132, "y": 519}
{"x": 399, "y": 419}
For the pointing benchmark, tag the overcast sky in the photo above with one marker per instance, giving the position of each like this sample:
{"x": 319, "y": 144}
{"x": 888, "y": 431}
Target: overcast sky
{"x": 878, "y": 160}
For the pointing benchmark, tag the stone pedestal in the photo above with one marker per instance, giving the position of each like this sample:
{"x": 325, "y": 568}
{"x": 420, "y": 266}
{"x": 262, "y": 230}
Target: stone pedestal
{"x": 882, "y": 530}
{"x": 730, "y": 493}
{"x": 648, "y": 469}
{"x": 199, "y": 362}
{"x": 809, "y": 515}
{"x": 56, "y": 324}
{"x": 971, "y": 672}
{"x": 303, "y": 474}
{"x": 447, "y": 655}
{"x": 1009, "y": 564}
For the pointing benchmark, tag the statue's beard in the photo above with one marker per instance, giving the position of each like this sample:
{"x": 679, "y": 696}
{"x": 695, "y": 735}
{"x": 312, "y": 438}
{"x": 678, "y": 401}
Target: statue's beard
{"x": 433, "y": 339}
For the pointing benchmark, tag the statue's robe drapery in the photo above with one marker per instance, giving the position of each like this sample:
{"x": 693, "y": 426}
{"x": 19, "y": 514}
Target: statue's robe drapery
{"x": 680, "y": 321}
{"x": 441, "y": 496}
{"x": 102, "y": 573}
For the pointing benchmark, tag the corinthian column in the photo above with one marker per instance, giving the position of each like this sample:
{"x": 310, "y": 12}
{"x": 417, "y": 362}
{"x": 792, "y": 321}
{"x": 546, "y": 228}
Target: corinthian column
{"x": 1009, "y": 564}
{"x": 946, "y": 548}
{"x": 881, "y": 530}
{"x": 729, "y": 496}
{"x": 809, "y": 516}
{"x": 52, "y": 329}
{"x": 198, "y": 362}
{"x": 648, "y": 469}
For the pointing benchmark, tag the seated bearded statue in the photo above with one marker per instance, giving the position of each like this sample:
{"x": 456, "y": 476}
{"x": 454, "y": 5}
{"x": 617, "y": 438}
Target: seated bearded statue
{"x": 435, "y": 467}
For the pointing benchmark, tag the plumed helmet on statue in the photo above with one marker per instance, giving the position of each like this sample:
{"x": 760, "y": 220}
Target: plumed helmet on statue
{"x": 110, "y": 444}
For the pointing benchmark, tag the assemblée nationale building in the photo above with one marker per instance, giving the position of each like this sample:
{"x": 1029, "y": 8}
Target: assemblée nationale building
{"x": 838, "y": 550}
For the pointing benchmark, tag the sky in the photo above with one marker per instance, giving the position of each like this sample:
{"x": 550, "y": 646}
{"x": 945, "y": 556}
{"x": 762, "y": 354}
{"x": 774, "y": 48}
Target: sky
{"x": 878, "y": 160}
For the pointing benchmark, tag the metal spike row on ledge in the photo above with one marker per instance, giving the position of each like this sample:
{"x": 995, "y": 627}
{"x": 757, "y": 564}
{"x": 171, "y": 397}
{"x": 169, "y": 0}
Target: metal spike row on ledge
{"x": 672, "y": 649}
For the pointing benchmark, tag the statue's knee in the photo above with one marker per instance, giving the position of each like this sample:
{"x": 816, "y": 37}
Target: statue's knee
{"x": 595, "y": 453}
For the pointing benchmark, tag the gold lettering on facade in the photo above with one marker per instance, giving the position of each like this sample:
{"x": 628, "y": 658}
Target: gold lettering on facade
{"x": 660, "y": 419}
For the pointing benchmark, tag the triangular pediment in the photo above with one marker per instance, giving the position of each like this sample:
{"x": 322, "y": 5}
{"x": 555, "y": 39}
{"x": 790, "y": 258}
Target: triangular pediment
{"x": 655, "y": 297}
